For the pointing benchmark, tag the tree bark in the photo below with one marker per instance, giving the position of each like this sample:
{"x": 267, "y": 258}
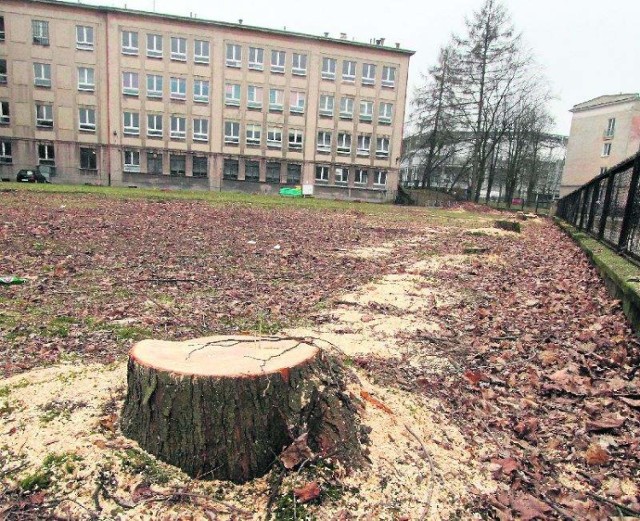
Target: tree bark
{"x": 225, "y": 408}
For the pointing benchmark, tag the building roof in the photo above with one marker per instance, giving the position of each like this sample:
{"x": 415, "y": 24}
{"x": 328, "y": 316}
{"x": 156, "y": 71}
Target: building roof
{"x": 214, "y": 23}
{"x": 607, "y": 99}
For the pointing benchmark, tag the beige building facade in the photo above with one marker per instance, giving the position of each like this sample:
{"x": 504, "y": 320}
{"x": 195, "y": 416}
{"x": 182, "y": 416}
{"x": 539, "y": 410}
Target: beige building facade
{"x": 604, "y": 132}
{"x": 118, "y": 97}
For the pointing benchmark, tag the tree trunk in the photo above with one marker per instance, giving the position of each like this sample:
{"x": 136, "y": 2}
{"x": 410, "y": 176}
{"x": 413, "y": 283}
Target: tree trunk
{"x": 225, "y": 408}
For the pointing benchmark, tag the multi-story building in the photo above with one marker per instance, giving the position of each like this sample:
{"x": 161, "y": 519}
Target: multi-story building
{"x": 119, "y": 97}
{"x": 604, "y": 132}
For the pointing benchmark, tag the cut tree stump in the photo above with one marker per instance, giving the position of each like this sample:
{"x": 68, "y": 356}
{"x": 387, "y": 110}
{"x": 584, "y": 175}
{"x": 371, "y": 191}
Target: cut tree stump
{"x": 226, "y": 407}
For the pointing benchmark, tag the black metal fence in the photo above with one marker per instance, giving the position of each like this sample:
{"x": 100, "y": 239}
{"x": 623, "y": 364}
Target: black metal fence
{"x": 608, "y": 207}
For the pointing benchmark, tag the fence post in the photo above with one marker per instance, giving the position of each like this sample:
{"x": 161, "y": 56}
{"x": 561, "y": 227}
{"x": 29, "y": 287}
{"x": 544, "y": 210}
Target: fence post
{"x": 605, "y": 206}
{"x": 628, "y": 209}
{"x": 585, "y": 204}
{"x": 595, "y": 195}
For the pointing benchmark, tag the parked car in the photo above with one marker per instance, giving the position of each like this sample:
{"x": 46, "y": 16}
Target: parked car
{"x": 35, "y": 175}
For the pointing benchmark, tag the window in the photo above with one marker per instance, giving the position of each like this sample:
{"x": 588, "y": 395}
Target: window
{"x": 154, "y": 45}
{"x": 322, "y": 174}
{"x": 88, "y": 159}
{"x": 231, "y": 132}
{"x": 326, "y": 105}
{"x": 388, "y": 76}
{"x": 380, "y": 178}
{"x": 42, "y": 74}
{"x": 328, "y": 69}
{"x": 230, "y": 169}
{"x": 364, "y": 145}
{"x": 234, "y": 55}
{"x": 252, "y": 171}
{"x": 277, "y": 62}
{"x": 131, "y": 161}
{"x": 273, "y": 172}
{"x": 154, "y": 125}
{"x": 44, "y": 115}
{"x": 130, "y": 43}
{"x": 130, "y": 84}
{"x": 361, "y": 176}
{"x": 84, "y": 38}
{"x": 232, "y": 94}
{"x": 154, "y": 163}
{"x": 201, "y": 53}
{"x": 385, "y": 114}
{"x": 299, "y": 64}
{"x": 324, "y": 141}
{"x": 346, "y": 108}
{"x": 154, "y": 86}
{"x": 294, "y": 174}
{"x": 131, "y": 123}
{"x": 295, "y": 139}
{"x": 178, "y": 88}
{"x": 606, "y": 150}
{"x": 5, "y": 117}
{"x": 254, "y": 134}
{"x": 366, "y": 111}
{"x": 254, "y": 97}
{"x": 342, "y": 175}
{"x": 382, "y": 148}
{"x": 5, "y": 153}
{"x": 274, "y": 137}
{"x": 276, "y": 100}
{"x": 296, "y": 105}
{"x": 344, "y": 143}
{"x": 86, "y": 79}
{"x": 40, "y": 31}
{"x": 199, "y": 166}
{"x": 46, "y": 154}
{"x": 611, "y": 127}
{"x": 87, "y": 119}
{"x": 2, "y": 33}
{"x": 178, "y": 127}
{"x": 201, "y": 91}
{"x": 3, "y": 72}
{"x": 603, "y": 169}
{"x": 256, "y": 58}
{"x": 178, "y": 49}
{"x": 368, "y": 74}
{"x": 348, "y": 71}
{"x": 177, "y": 165}
{"x": 201, "y": 129}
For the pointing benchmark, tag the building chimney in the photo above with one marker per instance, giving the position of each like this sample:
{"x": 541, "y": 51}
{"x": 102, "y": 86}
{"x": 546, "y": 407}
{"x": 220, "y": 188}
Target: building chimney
{"x": 343, "y": 36}
{"x": 326, "y": 35}
{"x": 397, "y": 45}
{"x": 240, "y": 21}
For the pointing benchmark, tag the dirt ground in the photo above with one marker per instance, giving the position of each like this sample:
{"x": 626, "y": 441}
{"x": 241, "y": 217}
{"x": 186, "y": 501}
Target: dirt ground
{"x": 493, "y": 374}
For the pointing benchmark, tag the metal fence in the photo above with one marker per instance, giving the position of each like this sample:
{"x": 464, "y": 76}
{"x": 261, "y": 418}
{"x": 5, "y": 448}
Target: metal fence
{"x": 608, "y": 207}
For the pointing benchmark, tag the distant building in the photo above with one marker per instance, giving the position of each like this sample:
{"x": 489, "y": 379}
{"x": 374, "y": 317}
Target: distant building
{"x": 121, "y": 97}
{"x": 604, "y": 132}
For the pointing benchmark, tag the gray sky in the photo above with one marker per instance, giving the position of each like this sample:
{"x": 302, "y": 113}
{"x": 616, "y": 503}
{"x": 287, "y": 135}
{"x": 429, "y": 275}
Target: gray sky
{"x": 586, "y": 47}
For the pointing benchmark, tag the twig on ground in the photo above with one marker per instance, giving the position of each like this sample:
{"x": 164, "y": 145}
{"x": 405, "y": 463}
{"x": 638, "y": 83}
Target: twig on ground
{"x": 625, "y": 509}
{"x": 427, "y": 456}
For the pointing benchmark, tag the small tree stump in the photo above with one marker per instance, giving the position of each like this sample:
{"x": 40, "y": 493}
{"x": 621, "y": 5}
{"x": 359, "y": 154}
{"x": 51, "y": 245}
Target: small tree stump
{"x": 225, "y": 408}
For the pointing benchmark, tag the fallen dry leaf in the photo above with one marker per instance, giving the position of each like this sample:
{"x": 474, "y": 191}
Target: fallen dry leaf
{"x": 307, "y": 493}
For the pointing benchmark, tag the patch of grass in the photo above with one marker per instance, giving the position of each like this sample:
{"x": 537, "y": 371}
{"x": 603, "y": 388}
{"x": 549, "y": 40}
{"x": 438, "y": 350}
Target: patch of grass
{"x": 42, "y": 478}
{"x": 59, "y": 409}
{"x": 5, "y": 391}
{"x": 59, "y": 326}
{"x": 286, "y": 509}
{"x": 122, "y": 332}
{"x": 135, "y": 461}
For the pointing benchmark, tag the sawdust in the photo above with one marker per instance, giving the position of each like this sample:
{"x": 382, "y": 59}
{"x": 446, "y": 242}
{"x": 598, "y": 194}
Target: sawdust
{"x": 369, "y": 321}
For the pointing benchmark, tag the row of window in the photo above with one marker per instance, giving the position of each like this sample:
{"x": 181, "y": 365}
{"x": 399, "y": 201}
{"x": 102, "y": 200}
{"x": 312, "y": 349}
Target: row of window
{"x": 46, "y": 153}
{"x": 178, "y": 47}
{"x": 200, "y": 131}
{"x": 199, "y": 166}
{"x": 324, "y": 143}
{"x": 350, "y": 68}
{"x": 201, "y": 49}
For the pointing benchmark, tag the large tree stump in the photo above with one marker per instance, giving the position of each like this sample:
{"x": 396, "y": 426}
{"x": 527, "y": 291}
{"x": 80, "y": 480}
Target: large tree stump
{"x": 225, "y": 408}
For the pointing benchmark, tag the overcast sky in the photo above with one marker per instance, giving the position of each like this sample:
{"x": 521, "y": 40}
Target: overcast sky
{"x": 586, "y": 47}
